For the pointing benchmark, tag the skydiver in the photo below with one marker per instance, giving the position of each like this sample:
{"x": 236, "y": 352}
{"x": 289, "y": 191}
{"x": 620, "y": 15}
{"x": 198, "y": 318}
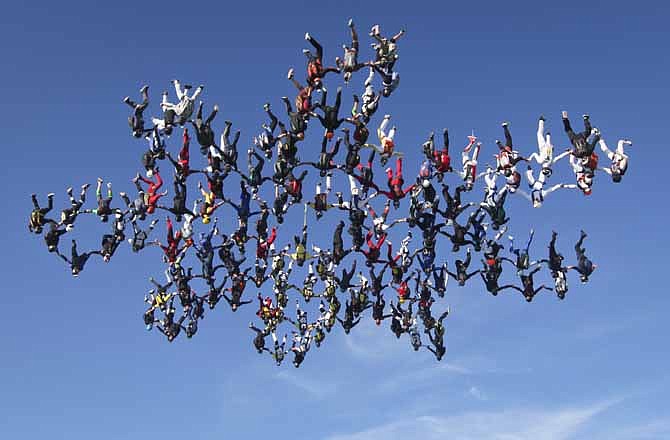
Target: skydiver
{"x": 326, "y": 161}
{"x": 104, "y": 209}
{"x": 469, "y": 173}
{"x": 395, "y": 183}
{"x": 259, "y": 339}
{"x": 545, "y": 154}
{"x": 182, "y": 166}
{"x": 582, "y": 147}
{"x": 529, "y": 291}
{"x": 461, "y": 274}
{"x": 297, "y": 122}
{"x": 38, "y": 218}
{"x": 315, "y": 69}
{"x": 69, "y": 215}
{"x": 584, "y": 266}
{"x": 507, "y": 158}
{"x": 255, "y": 178}
{"x": 77, "y": 260}
{"x": 438, "y": 340}
{"x": 454, "y": 205}
{"x": 619, "y": 159}
{"x": 458, "y": 237}
{"x": 348, "y": 323}
{"x": 152, "y": 194}
{"x": 386, "y": 48}
{"x": 203, "y": 129}
{"x": 136, "y": 120}
{"x": 279, "y": 352}
{"x": 369, "y": 101}
{"x": 330, "y": 119}
{"x": 349, "y": 63}
{"x": 184, "y": 108}
{"x": 538, "y": 193}
{"x": 386, "y": 147}
{"x": 522, "y": 262}
{"x": 138, "y": 242}
{"x": 179, "y": 202}
{"x": 228, "y": 148}
{"x": 52, "y": 237}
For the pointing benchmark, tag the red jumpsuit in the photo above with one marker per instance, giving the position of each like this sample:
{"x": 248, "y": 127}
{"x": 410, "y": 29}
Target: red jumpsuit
{"x": 372, "y": 255}
{"x": 172, "y": 249}
{"x": 263, "y": 247}
{"x": 442, "y": 161}
{"x": 152, "y": 196}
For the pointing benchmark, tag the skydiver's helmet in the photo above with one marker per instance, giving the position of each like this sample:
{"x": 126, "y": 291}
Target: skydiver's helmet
{"x": 546, "y": 170}
{"x": 75, "y": 271}
{"x": 616, "y": 177}
{"x": 205, "y": 219}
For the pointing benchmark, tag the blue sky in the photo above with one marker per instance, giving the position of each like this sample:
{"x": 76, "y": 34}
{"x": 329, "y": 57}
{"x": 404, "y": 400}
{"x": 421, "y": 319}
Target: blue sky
{"x": 75, "y": 361}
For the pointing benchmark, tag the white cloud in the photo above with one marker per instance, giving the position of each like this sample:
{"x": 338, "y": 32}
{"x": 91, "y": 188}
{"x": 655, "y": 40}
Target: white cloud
{"x": 518, "y": 424}
{"x": 373, "y": 343}
{"x": 317, "y": 389}
{"x": 477, "y": 393}
{"x": 650, "y": 430}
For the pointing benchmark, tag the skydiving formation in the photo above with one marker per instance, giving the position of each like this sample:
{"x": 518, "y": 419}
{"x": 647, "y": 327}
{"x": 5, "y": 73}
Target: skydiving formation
{"x": 378, "y": 258}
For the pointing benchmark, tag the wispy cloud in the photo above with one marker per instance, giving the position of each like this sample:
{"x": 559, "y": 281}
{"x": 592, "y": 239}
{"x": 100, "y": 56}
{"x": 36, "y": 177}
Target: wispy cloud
{"x": 650, "y": 430}
{"x": 519, "y": 424}
{"x": 373, "y": 343}
{"x": 317, "y": 389}
{"x": 477, "y": 393}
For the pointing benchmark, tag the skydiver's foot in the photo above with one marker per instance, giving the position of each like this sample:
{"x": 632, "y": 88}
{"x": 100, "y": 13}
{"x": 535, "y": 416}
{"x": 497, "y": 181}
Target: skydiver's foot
{"x": 50, "y": 195}
{"x": 85, "y": 186}
{"x": 188, "y": 87}
{"x": 135, "y": 179}
{"x": 585, "y": 116}
{"x": 564, "y": 114}
{"x": 216, "y": 107}
{"x": 628, "y": 142}
{"x": 69, "y": 191}
{"x": 542, "y": 119}
{"x": 289, "y": 75}
{"x": 505, "y": 124}
{"x": 350, "y": 23}
{"x": 99, "y": 179}
{"x": 305, "y": 51}
{"x": 583, "y": 234}
{"x": 126, "y": 99}
{"x": 144, "y": 89}
{"x": 266, "y": 106}
{"x": 307, "y": 36}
